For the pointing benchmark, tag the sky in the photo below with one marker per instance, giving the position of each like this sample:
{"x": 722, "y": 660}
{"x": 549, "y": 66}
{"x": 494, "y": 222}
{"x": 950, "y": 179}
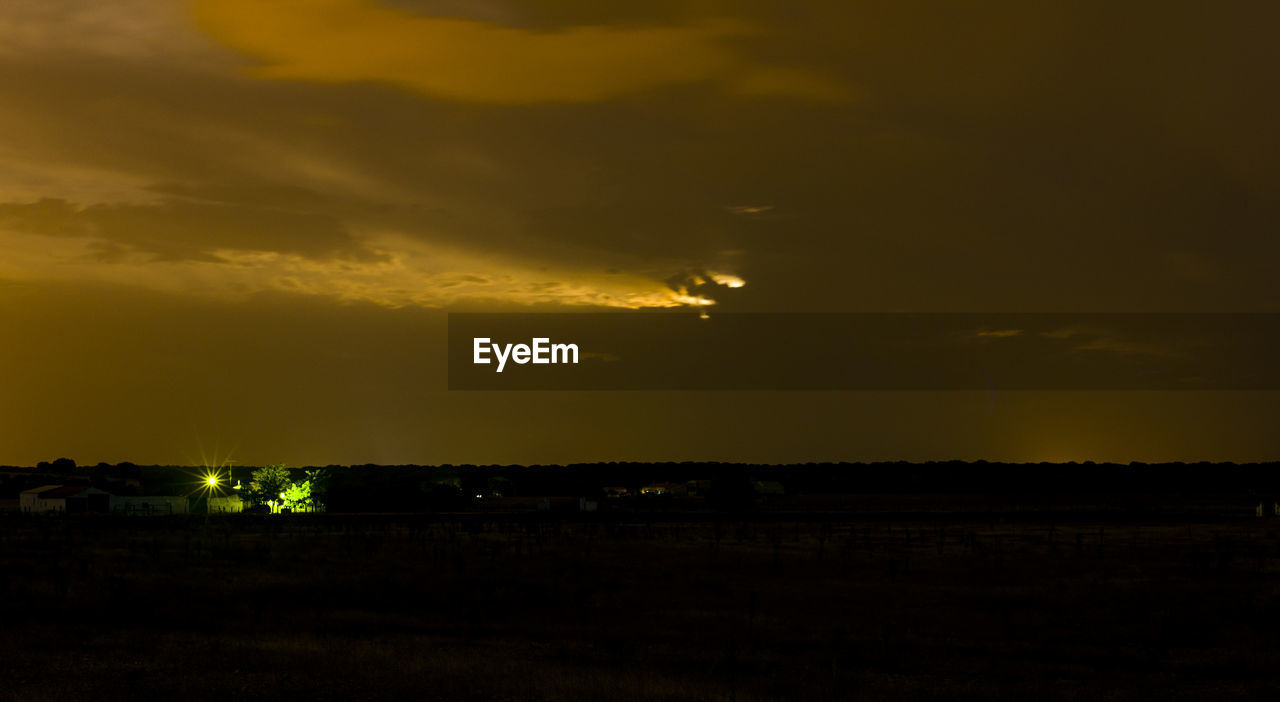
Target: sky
{"x": 234, "y": 228}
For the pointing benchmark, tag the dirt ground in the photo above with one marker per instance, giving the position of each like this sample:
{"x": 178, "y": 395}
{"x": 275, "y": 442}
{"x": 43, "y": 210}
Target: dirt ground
{"x": 630, "y": 607}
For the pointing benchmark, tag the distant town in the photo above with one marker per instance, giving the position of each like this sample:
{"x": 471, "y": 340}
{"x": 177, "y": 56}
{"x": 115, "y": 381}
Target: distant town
{"x": 62, "y": 487}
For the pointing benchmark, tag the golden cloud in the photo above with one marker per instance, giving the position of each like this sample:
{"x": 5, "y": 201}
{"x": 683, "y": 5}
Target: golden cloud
{"x": 351, "y": 40}
{"x": 407, "y": 273}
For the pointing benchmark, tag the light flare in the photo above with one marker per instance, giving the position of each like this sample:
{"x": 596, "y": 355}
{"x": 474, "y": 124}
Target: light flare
{"x": 727, "y": 279}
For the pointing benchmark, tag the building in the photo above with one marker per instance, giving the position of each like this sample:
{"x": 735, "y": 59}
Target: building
{"x": 148, "y": 505}
{"x": 77, "y": 499}
{"x": 226, "y": 504}
{"x": 64, "y": 499}
{"x": 30, "y": 502}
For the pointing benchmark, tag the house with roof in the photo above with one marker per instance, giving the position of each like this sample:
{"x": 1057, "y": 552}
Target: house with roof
{"x": 64, "y": 499}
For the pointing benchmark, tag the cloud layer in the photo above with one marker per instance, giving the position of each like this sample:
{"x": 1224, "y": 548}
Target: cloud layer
{"x": 300, "y": 187}
{"x": 350, "y": 40}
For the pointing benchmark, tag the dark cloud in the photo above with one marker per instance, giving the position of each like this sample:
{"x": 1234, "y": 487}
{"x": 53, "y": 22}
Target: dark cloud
{"x": 984, "y": 145}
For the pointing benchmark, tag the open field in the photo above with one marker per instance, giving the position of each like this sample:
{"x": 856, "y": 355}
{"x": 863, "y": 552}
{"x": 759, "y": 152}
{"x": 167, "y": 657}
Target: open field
{"x": 781, "y": 605}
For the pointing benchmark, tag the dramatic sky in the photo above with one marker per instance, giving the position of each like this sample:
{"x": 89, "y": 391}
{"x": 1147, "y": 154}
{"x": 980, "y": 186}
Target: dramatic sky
{"x": 234, "y": 227}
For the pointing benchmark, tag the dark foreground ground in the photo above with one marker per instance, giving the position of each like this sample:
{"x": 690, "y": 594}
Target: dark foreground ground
{"x": 959, "y": 605}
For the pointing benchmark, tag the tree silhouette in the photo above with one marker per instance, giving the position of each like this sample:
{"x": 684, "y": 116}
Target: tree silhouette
{"x": 61, "y": 465}
{"x": 319, "y": 479}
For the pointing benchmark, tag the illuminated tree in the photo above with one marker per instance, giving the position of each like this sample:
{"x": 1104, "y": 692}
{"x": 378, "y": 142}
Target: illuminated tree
{"x": 297, "y": 496}
{"x": 268, "y": 483}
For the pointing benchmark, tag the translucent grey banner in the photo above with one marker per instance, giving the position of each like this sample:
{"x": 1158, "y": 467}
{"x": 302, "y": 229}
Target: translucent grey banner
{"x": 971, "y": 351}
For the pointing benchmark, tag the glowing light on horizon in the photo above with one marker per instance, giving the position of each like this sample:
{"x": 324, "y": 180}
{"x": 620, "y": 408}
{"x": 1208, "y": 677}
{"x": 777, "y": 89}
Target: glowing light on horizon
{"x": 727, "y": 279}
{"x": 694, "y": 300}
{"x": 748, "y": 209}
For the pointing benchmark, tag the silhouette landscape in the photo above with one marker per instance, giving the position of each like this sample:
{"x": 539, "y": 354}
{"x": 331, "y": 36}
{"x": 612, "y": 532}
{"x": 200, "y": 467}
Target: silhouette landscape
{"x": 708, "y": 350}
{"x": 655, "y": 581}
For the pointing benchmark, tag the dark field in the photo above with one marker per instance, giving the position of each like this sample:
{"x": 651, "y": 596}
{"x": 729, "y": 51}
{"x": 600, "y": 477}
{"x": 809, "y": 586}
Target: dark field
{"x": 783, "y": 605}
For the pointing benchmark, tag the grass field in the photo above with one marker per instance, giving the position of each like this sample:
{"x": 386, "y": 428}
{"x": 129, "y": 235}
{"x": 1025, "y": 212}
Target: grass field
{"x": 642, "y": 606}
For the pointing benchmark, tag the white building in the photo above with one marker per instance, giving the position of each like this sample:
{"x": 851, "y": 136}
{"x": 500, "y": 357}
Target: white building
{"x": 64, "y": 499}
{"x": 226, "y": 504}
